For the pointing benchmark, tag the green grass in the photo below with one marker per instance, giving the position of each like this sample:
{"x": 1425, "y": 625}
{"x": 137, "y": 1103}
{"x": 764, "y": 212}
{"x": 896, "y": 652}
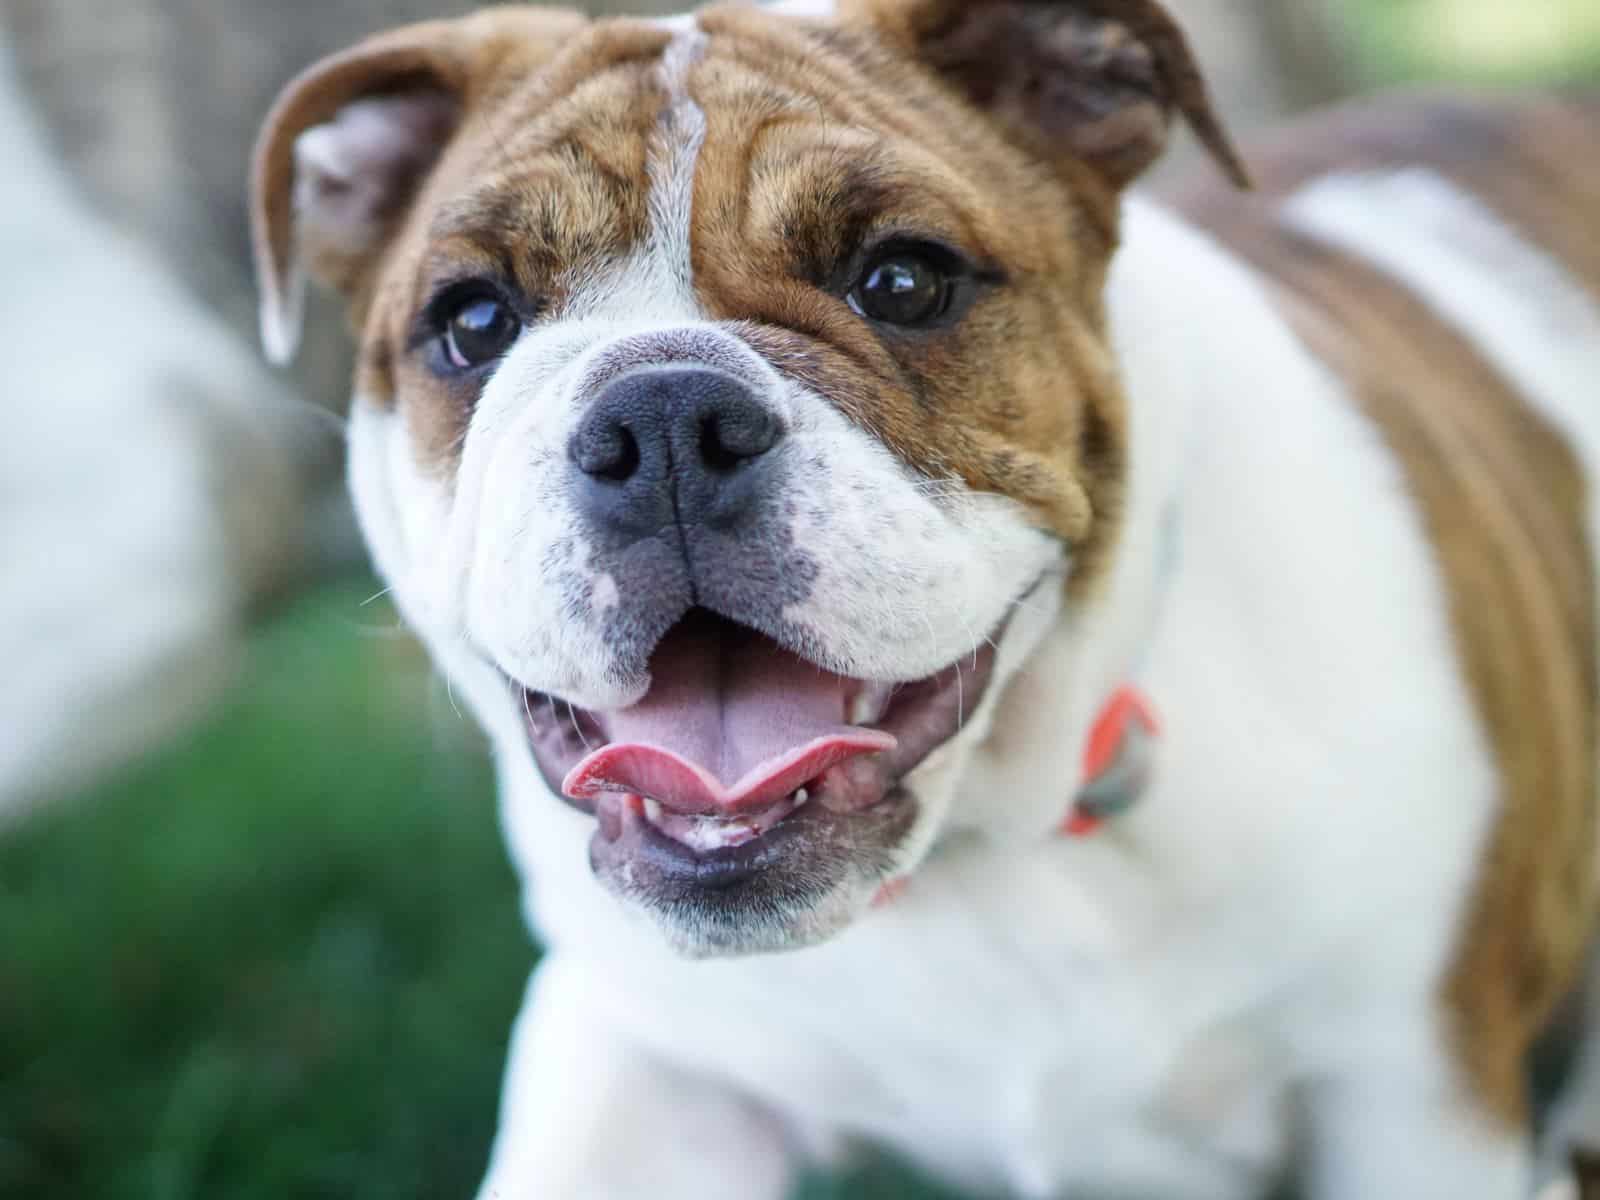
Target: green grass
{"x": 281, "y": 961}
{"x": 1488, "y": 41}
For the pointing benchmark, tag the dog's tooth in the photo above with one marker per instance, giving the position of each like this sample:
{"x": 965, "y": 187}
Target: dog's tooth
{"x": 869, "y": 704}
{"x": 652, "y": 810}
{"x": 801, "y": 796}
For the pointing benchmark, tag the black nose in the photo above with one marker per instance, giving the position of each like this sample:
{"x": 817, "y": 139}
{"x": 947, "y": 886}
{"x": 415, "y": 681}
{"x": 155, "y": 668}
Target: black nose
{"x": 673, "y": 444}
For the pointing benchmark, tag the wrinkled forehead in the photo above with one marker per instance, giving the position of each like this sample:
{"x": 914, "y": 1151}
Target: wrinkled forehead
{"x": 740, "y": 133}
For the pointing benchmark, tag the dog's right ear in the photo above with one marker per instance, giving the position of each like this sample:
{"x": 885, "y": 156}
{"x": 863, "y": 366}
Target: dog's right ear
{"x": 350, "y": 141}
{"x": 1100, "y": 80}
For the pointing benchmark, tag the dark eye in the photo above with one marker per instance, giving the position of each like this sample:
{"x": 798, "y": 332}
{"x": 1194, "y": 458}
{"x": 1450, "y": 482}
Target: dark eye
{"x": 908, "y": 288}
{"x": 477, "y": 331}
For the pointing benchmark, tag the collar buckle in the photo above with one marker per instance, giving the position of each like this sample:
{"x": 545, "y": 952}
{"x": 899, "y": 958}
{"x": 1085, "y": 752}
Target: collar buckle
{"x": 1116, "y": 762}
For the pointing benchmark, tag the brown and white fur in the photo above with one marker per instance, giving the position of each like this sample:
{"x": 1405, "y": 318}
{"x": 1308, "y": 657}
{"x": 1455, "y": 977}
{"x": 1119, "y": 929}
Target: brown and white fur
{"x": 1310, "y": 467}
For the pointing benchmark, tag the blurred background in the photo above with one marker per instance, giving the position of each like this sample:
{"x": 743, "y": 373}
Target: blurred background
{"x": 258, "y": 936}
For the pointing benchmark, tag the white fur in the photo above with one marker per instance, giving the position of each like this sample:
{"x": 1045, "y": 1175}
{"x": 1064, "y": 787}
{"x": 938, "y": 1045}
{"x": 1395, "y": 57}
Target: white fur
{"x": 680, "y": 134}
{"x": 657, "y": 1130}
{"x": 815, "y": 9}
{"x": 1136, "y": 1014}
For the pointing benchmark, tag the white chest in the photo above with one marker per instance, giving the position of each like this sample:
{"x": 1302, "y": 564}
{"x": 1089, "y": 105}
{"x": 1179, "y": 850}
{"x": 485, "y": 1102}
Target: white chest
{"x": 1000, "y": 1024}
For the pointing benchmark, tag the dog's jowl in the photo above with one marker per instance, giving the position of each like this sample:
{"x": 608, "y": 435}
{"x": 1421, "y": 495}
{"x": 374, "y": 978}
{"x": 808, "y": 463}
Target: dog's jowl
{"x": 1098, "y": 696}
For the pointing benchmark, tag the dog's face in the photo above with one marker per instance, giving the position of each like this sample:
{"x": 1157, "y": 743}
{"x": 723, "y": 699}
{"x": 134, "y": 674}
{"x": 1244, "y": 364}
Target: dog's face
{"x": 727, "y": 386}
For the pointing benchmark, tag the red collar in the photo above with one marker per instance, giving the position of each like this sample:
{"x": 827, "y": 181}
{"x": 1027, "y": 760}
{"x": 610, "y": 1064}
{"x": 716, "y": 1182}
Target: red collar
{"x": 1116, "y": 768}
{"x": 1116, "y": 761}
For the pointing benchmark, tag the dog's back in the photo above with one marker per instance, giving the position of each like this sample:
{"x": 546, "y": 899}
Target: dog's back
{"x": 1533, "y": 160}
{"x": 1442, "y": 254}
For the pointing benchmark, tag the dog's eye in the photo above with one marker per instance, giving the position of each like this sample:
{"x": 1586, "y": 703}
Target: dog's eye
{"x": 478, "y": 330}
{"x": 904, "y": 287}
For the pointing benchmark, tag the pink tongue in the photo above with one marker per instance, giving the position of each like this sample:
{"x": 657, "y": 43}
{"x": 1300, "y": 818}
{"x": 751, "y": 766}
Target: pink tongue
{"x": 731, "y": 723}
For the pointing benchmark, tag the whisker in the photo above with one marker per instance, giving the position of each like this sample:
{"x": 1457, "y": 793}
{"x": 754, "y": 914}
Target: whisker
{"x": 1024, "y": 604}
{"x": 337, "y": 424}
{"x": 395, "y": 629}
{"x": 550, "y": 707}
{"x": 933, "y": 638}
{"x": 572, "y": 716}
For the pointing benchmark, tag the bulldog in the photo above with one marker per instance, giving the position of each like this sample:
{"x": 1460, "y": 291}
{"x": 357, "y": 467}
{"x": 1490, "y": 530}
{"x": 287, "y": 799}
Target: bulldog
{"x": 1095, "y": 693}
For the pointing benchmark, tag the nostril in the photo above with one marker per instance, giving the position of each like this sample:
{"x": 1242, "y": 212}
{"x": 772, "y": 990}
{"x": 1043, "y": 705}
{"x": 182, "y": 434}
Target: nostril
{"x": 609, "y": 451}
{"x": 713, "y": 452}
{"x": 625, "y": 461}
{"x": 731, "y": 438}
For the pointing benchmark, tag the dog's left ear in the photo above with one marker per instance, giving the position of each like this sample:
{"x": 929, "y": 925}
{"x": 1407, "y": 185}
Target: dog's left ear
{"x": 1101, "y": 80}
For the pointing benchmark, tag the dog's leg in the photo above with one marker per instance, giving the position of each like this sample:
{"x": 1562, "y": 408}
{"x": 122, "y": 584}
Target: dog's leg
{"x": 1380, "y": 1134}
{"x": 589, "y": 1115}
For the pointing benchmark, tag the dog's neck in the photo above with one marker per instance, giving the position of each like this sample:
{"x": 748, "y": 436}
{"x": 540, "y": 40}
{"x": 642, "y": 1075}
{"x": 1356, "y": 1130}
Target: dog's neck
{"x": 1163, "y": 295}
{"x": 1171, "y": 293}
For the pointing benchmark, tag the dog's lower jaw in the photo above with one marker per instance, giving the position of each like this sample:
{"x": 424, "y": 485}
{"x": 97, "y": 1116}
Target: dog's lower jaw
{"x": 791, "y": 887}
{"x": 701, "y": 932}
{"x": 834, "y": 896}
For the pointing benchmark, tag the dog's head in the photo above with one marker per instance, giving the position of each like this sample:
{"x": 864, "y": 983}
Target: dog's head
{"x": 726, "y": 386}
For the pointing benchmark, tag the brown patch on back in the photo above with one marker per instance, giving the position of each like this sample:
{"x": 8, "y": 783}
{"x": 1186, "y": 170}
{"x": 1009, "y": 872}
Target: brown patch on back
{"x": 1504, "y": 500}
{"x": 821, "y": 141}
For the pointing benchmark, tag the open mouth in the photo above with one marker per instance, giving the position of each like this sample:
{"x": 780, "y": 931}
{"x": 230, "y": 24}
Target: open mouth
{"x": 737, "y": 735}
